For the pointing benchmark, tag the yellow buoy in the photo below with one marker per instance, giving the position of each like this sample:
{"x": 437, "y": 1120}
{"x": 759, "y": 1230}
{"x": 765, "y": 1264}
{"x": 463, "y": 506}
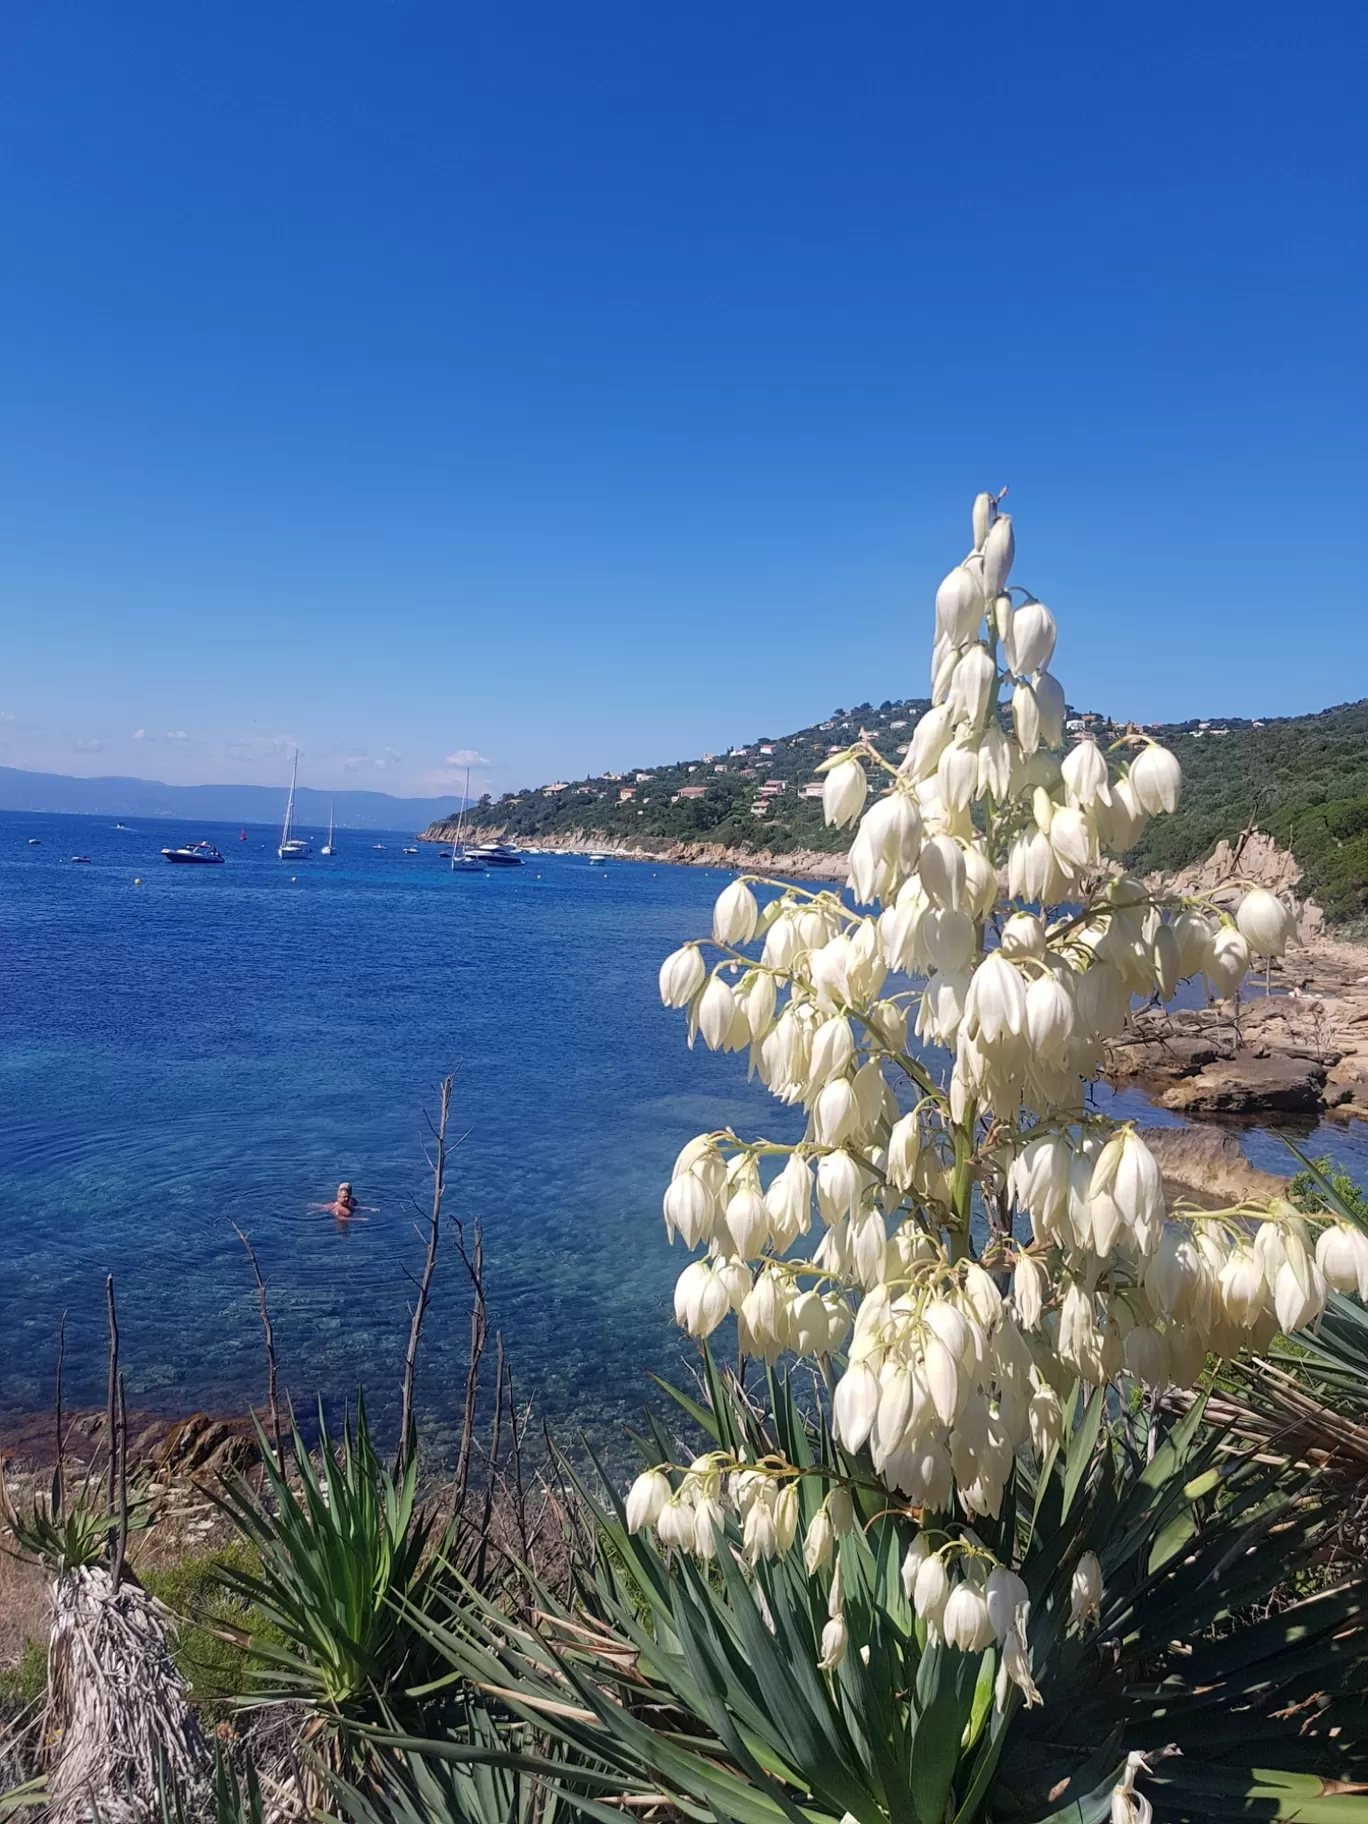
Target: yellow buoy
{"x": 137, "y": 880}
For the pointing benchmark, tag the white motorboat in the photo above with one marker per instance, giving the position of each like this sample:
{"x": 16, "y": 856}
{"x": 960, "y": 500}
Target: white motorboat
{"x": 497, "y": 855}
{"x": 598, "y": 861}
{"x": 328, "y": 848}
{"x": 197, "y": 854}
{"x": 292, "y": 848}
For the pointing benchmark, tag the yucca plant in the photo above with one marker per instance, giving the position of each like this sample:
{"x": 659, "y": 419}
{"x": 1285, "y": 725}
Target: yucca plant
{"x": 1307, "y": 1400}
{"x": 346, "y": 1562}
{"x": 705, "y": 1684}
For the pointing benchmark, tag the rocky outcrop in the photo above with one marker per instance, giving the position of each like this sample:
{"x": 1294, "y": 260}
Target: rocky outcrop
{"x": 1205, "y": 1166}
{"x": 1300, "y": 1050}
{"x": 1254, "y": 860}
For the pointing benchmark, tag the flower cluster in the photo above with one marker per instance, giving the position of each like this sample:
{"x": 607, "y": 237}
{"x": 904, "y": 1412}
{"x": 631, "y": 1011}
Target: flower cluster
{"x": 974, "y": 1240}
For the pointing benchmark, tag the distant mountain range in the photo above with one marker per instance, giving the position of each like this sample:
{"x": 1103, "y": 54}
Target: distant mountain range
{"x": 115, "y": 797}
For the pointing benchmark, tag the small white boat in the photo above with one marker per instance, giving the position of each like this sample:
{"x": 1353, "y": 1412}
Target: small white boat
{"x": 409, "y": 851}
{"x": 292, "y": 848}
{"x": 598, "y": 861}
{"x": 328, "y": 848}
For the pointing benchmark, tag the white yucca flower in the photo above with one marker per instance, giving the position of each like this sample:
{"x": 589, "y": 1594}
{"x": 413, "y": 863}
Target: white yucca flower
{"x": 989, "y": 855}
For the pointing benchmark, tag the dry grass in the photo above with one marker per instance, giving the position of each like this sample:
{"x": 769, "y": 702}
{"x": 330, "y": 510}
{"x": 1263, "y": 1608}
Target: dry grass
{"x": 25, "y": 1611}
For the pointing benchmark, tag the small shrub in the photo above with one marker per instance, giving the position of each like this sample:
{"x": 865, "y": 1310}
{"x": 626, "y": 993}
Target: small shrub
{"x": 196, "y": 1591}
{"x": 25, "y": 1683}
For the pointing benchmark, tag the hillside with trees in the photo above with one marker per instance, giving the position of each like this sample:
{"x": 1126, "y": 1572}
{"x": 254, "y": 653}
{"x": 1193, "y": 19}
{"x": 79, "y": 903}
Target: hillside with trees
{"x": 1304, "y": 779}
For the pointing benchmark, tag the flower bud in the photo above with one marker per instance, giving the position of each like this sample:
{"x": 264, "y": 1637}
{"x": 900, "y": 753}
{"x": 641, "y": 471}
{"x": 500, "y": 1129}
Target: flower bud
{"x": 999, "y": 548}
{"x": 646, "y": 1499}
{"x": 833, "y": 1047}
{"x": 681, "y": 976}
{"x": 855, "y": 1405}
{"x": 1264, "y": 922}
{"x": 843, "y": 793}
{"x": 1026, "y": 717}
{"x": 959, "y": 606}
{"x": 1046, "y": 1422}
{"x": 709, "y": 1524}
{"x": 1243, "y": 1287}
{"x": 1085, "y": 1590}
{"x": 971, "y": 685}
{"x": 1005, "y": 1594}
{"x": 929, "y": 740}
{"x": 676, "y": 1524}
{"x": 1051, "y": 708}
{"x": 1029, "y": 1285}
{"x": 716, "y": 1014}
{"x": 984, "y": 509}
{"x": 818, "y": 1545}
{"x": 701, "y": 1299}
{"x": 688, "y": 1209}
{"x": 966, "y": 1624}
{"x": 735, "y": 915}
{"x": 836, "y": 1113}
{"x": 941, "y": 866}
{"x": 1049, "y": 1018}
{"x": 1342, "y": 1256}
{"x": 1156, "y": 779}
{"x": 1085, "y": 774}
{"x": 1031, "y": 639}
{"x": 1227, "y": 961}
{"x": 1299, "y": 1294}
{"x": 930, "y": 1589}
{"x": 834, "y": 1641}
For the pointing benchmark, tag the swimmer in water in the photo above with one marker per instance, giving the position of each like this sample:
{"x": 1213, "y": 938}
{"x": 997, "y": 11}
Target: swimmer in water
{"x": 344, "y": 1206}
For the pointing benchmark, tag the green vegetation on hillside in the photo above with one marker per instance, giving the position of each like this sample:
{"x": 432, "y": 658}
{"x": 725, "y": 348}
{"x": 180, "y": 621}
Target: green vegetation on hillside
{"x": 1303, "y": 778}
{"x": 750, "y": 797}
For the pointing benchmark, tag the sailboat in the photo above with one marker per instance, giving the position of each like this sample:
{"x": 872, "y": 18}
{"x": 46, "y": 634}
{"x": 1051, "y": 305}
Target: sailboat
{"x": 292, "y": 848}
{"x": 461, "y": 863}
{"x": 327, "y": 848}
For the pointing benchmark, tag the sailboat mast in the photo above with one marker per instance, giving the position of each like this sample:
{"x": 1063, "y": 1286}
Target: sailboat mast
{"x": 460, "y": 822}
{"x": 289, "y": 802}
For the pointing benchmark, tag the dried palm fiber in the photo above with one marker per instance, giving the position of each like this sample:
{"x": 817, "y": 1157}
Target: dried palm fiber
{"x": 117, "y": 1710}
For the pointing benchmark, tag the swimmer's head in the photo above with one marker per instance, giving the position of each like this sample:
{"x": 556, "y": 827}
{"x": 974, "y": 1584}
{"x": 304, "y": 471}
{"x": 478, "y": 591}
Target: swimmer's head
{"x": 344, "y": 1191}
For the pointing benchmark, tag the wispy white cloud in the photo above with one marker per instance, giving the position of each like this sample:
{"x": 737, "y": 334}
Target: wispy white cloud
{"x": 254, "y": 749}
{"x": 140, "y": 734}
{"x": 467, "y": 756}
{"x": 6, "y": 715}
{"x": 176, "y": 734}
{"x": 91, "y": 746}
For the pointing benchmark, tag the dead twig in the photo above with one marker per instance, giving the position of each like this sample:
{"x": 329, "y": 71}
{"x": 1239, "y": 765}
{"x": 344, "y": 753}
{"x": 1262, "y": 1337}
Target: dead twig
{"x": 473, "y": 1262}
{"x": 59, "y": 1480}
{"x": 121, "y": 1539}
{"x": 408, "y": 1441}
{"x": 271, "y": 1378}
{"x": 111, "y": 1402}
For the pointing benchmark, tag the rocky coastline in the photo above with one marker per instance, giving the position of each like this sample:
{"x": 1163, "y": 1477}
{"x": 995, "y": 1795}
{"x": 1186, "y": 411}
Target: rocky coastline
{"x": 800, "y": 864}
{"x": 1294, "y": 1045}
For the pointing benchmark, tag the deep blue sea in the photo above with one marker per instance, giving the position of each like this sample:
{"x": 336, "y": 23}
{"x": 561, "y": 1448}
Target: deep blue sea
{"x": 220, "y": 1045}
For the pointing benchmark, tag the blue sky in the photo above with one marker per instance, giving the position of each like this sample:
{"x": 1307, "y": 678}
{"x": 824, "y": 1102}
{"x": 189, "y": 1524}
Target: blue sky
{"x": 581, "y": 386}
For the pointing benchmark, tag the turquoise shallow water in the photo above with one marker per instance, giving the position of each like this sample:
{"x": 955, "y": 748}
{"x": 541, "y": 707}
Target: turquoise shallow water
{"x": 226, "y": 1044}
